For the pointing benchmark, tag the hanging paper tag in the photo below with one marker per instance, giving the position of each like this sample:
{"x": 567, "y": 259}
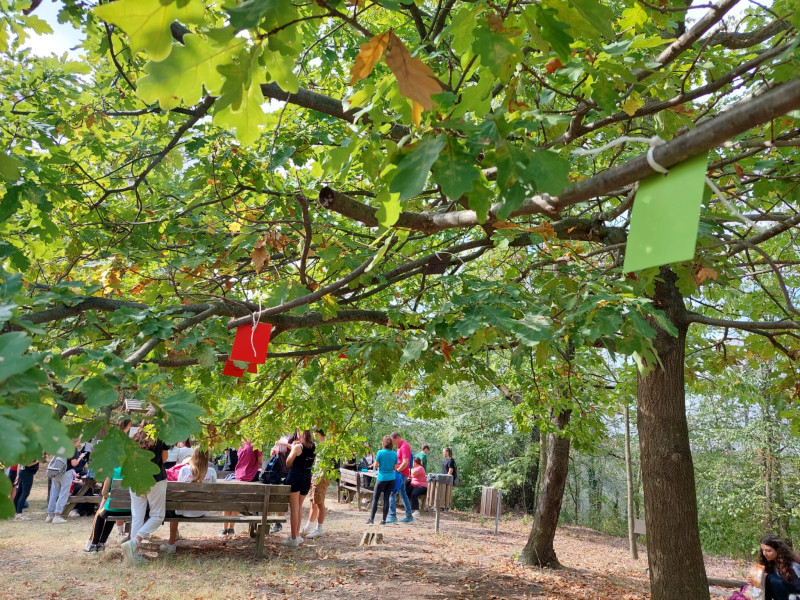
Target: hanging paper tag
{"x": 232, "y": 370}
{"x": 252, "y": 368}
{"x": 343, "y": 355}
{"x": 666, "y": 215}
{"x": 246, "y": 339}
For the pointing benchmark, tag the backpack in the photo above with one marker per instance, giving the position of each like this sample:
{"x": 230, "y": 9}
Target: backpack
{"x": 273, "y": 472}
{"x": 57, "y": 467}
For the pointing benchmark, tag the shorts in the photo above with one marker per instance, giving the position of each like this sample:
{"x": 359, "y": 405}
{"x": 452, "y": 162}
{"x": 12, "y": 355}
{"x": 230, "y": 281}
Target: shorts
{"x": 299, "y": 481}
{"x": 319, "y": 489}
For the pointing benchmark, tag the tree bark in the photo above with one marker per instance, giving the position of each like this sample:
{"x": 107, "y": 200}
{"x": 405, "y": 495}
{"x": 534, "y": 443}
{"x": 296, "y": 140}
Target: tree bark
{"x": 674, "y": 554}
{"x": 539, "y": 550}
{"x": 629, "y": 480}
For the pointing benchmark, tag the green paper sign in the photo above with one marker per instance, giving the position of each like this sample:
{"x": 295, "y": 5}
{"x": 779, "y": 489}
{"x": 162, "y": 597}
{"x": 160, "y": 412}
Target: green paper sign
{"x": 666, "y": 214}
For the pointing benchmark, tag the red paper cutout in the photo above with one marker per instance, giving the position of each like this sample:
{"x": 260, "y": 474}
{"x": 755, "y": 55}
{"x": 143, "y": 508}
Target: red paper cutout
{"x": 252, "y": 368}
{"x": 232, "y": 370}
{"x": 343, "y": 355}
{"x": 243, "y": 347}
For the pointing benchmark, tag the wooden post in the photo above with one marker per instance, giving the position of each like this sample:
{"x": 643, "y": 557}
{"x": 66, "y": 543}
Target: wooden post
{"x": 436, "y": 507}
{"x": 497, "y": 512}
{"x": 264, "y": 513}
{"x": 358, "y": 491}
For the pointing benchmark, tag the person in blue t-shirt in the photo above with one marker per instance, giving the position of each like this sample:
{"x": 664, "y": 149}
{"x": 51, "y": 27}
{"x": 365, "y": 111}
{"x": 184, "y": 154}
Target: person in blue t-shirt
{"x": 386, "y": 461}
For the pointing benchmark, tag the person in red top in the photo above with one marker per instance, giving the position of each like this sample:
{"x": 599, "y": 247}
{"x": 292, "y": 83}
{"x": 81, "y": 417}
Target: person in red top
{"x": 403, "y": 464}
{"x": 246, "y": 470}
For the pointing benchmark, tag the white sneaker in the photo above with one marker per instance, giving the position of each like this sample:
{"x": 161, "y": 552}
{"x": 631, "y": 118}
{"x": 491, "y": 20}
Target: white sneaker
{"x": 416, "y": 514}
{"x": 292, "y": 542}
{"x": 57, "y": 520}
{"x": 74, "y": 513}
{"x": 48, "y": 519}
{"x": 314, "y": 534}
{"x": 168, "y": 548}
{"x": 122, "y": 536}
{"x": 19, "y": 517}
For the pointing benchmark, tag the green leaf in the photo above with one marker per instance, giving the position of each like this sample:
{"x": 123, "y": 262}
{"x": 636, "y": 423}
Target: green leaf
{"x": 248, "y": 118}
{"x": 207, "y": 357}
{"x": 554, "y": 31}
{"x": 480, "y": 199}
{"x": 12, "y": 438}
{"x": 180, "y": 417}
{"x": 147, "y": 22}
{"x": 388, "y": 209}
{"x": 40, "y": 428}
{"x": 599, "y": 16}
{"x": 11, "y": 202}
{"x": 549, "y": 171}
{"x": 13, "y": 359}
{"x": 249, "y": 13}
{"x": 189, "y": 68}
{"x": 414, "y": 165}
{"x": 98, "y": 392}
{"x": 493, "y": 48}
{"x": 6, "y": 506}
{"x": 9, "y": 167}
{"x": 414, "y": 348}
{"x": 532, "y": 329}
{"x": 454, "y": 171}
{"x": 280, "y": 67}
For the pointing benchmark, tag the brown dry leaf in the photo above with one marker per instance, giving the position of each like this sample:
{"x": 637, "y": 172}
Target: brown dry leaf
{"x": 137, "y": 289}
{"x": 446, "y": 349}
{"x": 368, "y": 57}
{"x": 705, "y": 273}
{"x": 739, "y": 170}
{"x": 260, "y": 257}
{"x": 553, "y": 65}
{"x": 416, "y": 79}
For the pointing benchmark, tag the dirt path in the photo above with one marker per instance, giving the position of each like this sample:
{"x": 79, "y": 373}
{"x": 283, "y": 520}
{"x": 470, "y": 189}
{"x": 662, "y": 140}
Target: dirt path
{"x": 465, "y": 561}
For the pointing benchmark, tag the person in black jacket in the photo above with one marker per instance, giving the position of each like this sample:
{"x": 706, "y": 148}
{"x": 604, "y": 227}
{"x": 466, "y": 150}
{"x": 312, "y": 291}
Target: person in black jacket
{"x": 24, "y": 483}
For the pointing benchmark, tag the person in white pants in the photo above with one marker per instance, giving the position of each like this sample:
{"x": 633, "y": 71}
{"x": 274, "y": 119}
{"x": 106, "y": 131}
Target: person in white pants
{"x": 156, "y": 497}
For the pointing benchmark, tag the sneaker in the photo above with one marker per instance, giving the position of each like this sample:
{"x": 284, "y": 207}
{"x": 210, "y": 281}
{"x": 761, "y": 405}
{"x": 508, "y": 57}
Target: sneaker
{"x": 407, "y": 520}
{"x": 370, "y": 522}
{"x": 48, "y": 519}
{"x": 74, "y": 513}
{"x": 19, "y": 517}
{"x": 129, "y": 553}
{"x": 314, "y": 534}
{"x": 416, "y": 514}
{"x": 168, "y": 548}
{"x": 292, "y": 543}
{"x": 122, "y": 536}
{"x": 90, "y": 547}
{"x": 223, "y": 532}
{"x": 391, "y": 520}
{"x": 100, "y": 548}
{"x": 383, "y": 522}
{"x": 57, "y": 520}
{"x": 276, "y": 528}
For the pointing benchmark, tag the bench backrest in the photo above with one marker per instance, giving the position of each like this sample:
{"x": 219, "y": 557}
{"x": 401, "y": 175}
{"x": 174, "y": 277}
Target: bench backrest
{"x": 229, "y": 495}
{"x": 349, "y": 476}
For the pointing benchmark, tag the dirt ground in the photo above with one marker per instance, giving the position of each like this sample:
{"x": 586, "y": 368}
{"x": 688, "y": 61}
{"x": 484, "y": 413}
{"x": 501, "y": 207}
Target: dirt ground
{"x": 465, "y": 561}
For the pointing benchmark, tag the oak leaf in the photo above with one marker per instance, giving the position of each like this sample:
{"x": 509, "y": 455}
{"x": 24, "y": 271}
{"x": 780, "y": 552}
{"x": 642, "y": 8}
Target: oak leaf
{"x": 704, "y": 273}
{"x": 260, "y": 257}
{"x": 553, "y": 65}
{"x": 371, "y": 52}
{"x": 416, "y": 79}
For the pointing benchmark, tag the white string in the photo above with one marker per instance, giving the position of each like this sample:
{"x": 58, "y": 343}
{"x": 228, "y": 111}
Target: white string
{"x": 720, "y": 196}
{"x": 255, "y": 325}
{"x": 654, "y": 142}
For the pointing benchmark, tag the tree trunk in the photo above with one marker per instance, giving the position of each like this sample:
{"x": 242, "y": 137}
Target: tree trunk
{"x": 674, "y": 554}
{"x": 532, "y": 474}
{"x": 539, "y": 550}
{"x": 629, "y": 481}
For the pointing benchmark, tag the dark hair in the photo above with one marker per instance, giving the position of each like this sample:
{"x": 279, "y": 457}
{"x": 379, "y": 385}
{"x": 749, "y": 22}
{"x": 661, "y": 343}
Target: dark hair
{"x": 124, "y": 424}
{"x": 306, "y": 439}
{"x": 321, "y": 432}
{"x": 417, "y": 459}
{"x": 394, "y": 435}
{"x": 784, "y": 559}
{"x": 448, "y": 451}
{"x": 142, "y": 438}
{"x": 387, "y": 442}
{"x": 426, "y": 447}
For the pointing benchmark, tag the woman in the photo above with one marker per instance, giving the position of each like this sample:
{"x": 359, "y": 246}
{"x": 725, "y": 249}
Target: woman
{"x": 417, "y": 486}
{"x": 449, "y": 465}
{"x": 300, "y": 461}
{"x": 24, "y": 484}
{"x": 104, "y": 518}
{"x": 61, "y": 484}
{"x": 196, "y": 470}
{"x": 247, "y": 464}
{"x": 142, "y": 529}
{"x": 386, "y": 463}
{"x": 781, "y": 566}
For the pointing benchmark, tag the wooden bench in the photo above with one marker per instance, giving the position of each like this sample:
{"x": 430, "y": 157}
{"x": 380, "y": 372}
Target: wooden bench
{"x": 353, "y": 481}
{"x": 254, "y": 502}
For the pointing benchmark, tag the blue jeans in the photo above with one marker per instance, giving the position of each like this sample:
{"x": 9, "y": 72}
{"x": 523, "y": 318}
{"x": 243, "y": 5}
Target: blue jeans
{"x": 777, "y": 588}
{"x": 406, "y": 501}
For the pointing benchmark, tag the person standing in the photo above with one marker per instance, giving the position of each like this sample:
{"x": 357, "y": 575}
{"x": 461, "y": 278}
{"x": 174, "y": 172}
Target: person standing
{"x": 448, "y": 465}
{"x": 61, "y": 483}
{"x": 423, "y": 456}
{"x": 300, "y": 461}
{"x": 156, "y": 498}
{"x": 403, "y": 464}
{"x": 386, "y": 462}
{"x": 24, "y": 483}
{"x": 319, "y": 488}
